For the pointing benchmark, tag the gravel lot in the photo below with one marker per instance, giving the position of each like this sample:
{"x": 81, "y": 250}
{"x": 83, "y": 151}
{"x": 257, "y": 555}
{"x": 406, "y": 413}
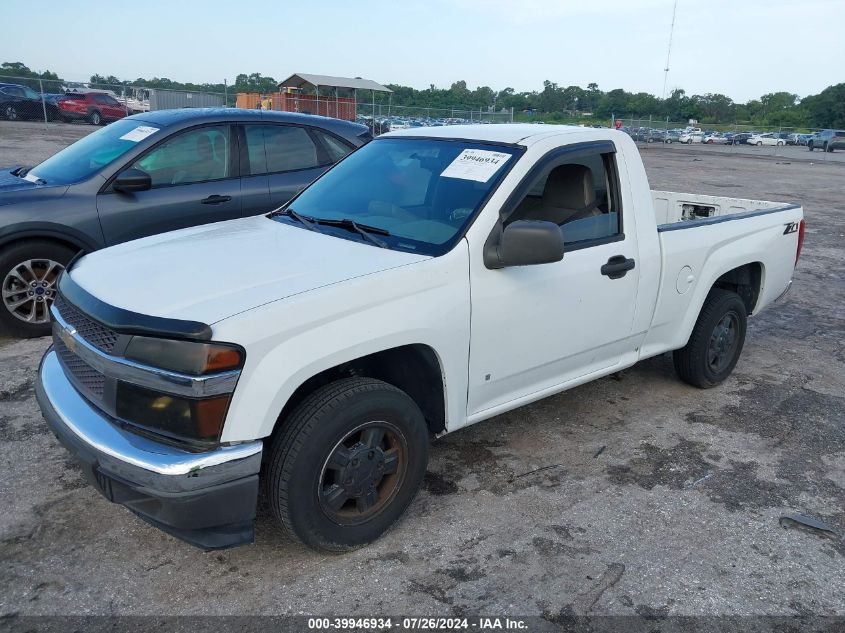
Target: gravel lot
{"x": 634, "y": 495}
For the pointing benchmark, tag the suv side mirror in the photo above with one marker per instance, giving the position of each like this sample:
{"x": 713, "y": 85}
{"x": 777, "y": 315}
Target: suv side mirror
{"x": 524, "y": 243}
{"x": 132, "y": 180}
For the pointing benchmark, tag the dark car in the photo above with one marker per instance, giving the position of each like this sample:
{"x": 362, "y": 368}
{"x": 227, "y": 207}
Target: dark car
{"x": 741, "y": 138}
{"x": 22, "y": 102}
{"x": 827, "y": 140}
{"x": 147, "y": 174}
{"x": 94, "y": 107}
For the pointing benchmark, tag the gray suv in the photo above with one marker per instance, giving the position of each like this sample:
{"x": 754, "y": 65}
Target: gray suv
{"x": 147, "y": 174}
{"x": 827, "y": 140}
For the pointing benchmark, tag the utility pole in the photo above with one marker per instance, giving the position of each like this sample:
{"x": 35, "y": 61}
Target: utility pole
{"x": 669, "y": 50}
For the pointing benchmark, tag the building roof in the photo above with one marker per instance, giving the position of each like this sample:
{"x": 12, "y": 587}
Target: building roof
{"x": 301, "y": 80}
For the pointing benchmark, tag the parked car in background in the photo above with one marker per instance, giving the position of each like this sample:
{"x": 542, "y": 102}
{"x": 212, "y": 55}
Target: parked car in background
{"x": 691, "y": 136}
{"x": 804, "y": 139}
{"x": 827, "y": 140}
{"x": 672, "y": 136}
{"x": 716, "y": 138}
{"x": 789, "y": 139}
{"x": 740, "y": 138}
{"x": 22, "y": 102}
{"x": 96, "y": 108}
{"x": 768, "y": 138}
{"x": 147, "y": 174}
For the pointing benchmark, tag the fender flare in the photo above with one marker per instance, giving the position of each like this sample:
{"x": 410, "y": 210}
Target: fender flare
{"x": 50, "y": 231}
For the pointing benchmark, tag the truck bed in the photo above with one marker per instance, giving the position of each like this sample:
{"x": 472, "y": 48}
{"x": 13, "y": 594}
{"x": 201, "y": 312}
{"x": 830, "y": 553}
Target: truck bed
{"x": 672, "y": 207}
{"x": 703, "y": 237}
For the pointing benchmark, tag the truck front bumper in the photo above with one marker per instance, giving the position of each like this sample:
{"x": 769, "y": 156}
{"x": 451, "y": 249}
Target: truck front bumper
{"x": 207, "y": 499}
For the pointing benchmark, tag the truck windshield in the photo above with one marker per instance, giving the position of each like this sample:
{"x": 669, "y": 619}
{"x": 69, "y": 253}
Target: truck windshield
{"x": 414, "y": 194}
{"x": 79, "y": 161}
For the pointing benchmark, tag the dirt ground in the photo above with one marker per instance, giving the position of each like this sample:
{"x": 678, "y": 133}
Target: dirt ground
{"x": 634, "y": 495}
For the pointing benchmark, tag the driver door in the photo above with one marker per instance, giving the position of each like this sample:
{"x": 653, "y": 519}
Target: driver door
{"x": 536, "y": 328}
{"x": 195, "y": 181}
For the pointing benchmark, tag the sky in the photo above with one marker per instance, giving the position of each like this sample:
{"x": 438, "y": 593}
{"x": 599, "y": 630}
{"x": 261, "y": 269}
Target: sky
{"x": 741, "y": 48}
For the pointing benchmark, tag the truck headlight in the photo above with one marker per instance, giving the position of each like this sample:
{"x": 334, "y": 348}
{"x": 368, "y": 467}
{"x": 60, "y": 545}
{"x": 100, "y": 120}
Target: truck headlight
{"x": 171, "y": 415}
{"x": 169, "y": 411}
{"x": 187, "y": 357}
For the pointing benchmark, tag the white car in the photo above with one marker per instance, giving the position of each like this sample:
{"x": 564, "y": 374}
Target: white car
{"x": 691, "y": 136}
{"x": 766, "y": 139}
{"x": 716, "y": 138}
{"x": 432, "y": 279}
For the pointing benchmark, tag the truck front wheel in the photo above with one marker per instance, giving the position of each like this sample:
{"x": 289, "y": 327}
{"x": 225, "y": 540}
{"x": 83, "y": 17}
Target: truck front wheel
{"x": 347, "y": 463}
{"x": 716, "y": 341}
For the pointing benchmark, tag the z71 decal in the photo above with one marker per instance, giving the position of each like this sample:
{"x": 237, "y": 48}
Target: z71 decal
{"x": 791, "y": 228}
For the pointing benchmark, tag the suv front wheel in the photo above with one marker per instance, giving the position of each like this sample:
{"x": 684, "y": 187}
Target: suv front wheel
{"x": 29, "y": 271}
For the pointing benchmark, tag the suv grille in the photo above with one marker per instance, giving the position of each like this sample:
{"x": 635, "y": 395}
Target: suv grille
{"x": 82, "y": 372}
{"x": 98, "y": 335}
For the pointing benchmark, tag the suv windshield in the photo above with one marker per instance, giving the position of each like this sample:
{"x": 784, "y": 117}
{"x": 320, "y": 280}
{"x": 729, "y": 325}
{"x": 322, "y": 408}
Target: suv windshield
{"x": 415, "y": 194}
{"x": 90, "y": 154}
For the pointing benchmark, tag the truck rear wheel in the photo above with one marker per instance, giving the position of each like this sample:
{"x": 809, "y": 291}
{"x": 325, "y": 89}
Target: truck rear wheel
{"x": 716, "y": 341}
{"x": 347, "y": 463}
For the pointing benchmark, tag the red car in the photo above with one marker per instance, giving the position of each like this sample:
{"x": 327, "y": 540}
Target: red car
{"x": 95, "y": 107}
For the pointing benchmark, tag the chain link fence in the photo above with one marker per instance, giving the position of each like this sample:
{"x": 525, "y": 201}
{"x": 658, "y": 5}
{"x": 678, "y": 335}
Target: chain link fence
{"x": 651, "y": 132}
{"x": 60, "y": 101}
{"x": 381, "y": 118}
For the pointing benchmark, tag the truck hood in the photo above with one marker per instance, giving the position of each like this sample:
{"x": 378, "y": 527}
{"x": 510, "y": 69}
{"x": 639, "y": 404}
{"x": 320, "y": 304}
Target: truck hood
{"x": 211, "y": 272}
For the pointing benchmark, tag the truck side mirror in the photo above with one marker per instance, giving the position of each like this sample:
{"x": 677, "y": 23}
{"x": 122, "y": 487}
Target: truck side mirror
{"x": 524, "y": 243}
{"x": 132, "y": 180}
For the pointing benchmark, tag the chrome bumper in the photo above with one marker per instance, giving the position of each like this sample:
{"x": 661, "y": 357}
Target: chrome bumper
{"x": 206, "y": 498}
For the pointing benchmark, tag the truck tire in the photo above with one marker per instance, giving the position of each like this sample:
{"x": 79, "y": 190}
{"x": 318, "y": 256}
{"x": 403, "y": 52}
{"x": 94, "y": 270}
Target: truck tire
{"x": 347, "y": 463}
{"x": 716, "y": 342}
{"x": 28, "y": 274}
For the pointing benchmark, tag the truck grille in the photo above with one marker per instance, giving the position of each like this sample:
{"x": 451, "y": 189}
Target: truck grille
{"x": 82, "y": 372}
{"x": 98, "y": 335}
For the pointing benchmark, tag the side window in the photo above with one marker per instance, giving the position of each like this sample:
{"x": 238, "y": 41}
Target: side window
{"x": 197, "y": 155}
{"x": 255, "y": 149}
{"x": 335, "y": 148}
{"x": 288, "y": 148}
{"x": 580, "y": 195}
{"x": 279, "y": 148}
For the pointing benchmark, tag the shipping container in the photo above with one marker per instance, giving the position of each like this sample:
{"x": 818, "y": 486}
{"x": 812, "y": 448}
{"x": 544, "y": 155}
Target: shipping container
{"x": 175, "y": 99}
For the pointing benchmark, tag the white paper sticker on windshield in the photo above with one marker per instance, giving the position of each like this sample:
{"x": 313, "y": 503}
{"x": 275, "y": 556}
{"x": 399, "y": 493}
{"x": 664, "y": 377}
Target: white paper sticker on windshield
{"x": 476, "y": 164}
{"x": 139, "y": 133}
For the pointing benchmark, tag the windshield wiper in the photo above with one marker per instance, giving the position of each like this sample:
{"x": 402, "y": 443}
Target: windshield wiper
{"x": 307, "y": 222}
{"x": 363, "y": 230}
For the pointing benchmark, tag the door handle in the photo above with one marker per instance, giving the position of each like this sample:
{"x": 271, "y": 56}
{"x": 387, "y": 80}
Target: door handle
{"x": 617, "y": 266}
{"x": 215, "y": 199}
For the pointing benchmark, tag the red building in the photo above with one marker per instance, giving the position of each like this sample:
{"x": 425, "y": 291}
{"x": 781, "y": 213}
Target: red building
{"x": 317, "y": 94}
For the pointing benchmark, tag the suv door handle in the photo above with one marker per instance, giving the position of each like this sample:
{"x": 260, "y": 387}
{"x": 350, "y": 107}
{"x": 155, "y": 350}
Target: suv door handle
{"x": 215, "y": 199}
{"x": 617, "y": 266}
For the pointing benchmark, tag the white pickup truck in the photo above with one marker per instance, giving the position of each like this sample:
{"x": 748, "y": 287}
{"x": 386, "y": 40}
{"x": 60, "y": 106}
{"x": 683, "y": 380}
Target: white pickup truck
{"x": 434, "y": 278}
